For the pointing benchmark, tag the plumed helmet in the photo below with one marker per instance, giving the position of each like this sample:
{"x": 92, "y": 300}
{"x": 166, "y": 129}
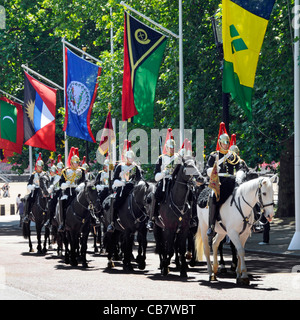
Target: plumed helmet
{"x": 235, "y": 149}
{"x": 224, "y": 138}
{"x": 84, "y": 164}
{"x": 39, "y": 161}
{"x": 59, "y": 165}
{"x": 129, "y": 155}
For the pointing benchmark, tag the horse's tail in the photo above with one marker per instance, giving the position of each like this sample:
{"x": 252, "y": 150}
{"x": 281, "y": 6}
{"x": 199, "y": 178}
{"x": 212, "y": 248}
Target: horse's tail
{"x": 199, "y": 245}
{"x": 25, "y": 230}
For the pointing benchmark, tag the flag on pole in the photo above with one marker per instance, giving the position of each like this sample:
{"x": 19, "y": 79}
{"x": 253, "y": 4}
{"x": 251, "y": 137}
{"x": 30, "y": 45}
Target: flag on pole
{"x": 81, "y": 90}
{"x": 108, "y": 136}
{"x": 244, "y": 24}
{"x": 11, "y": 125}
{"x": 143, "y": 52}
{"x": 39, "y": 114}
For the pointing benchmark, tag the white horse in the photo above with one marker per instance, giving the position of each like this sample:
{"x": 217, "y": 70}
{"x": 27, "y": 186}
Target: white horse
{"x": 237, "y": 217}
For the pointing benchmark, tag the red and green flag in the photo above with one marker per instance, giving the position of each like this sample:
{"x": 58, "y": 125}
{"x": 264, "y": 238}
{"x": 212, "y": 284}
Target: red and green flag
{"x": 11, "y": 125}
{"x": 244, "y": 25}
{"x": 143, "y": 52}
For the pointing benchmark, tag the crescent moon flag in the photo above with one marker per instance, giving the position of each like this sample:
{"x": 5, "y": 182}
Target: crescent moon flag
{"x": 143, "y": 52}
{"x": 11, "y": 125}
{"x": 81, "y": 90}
{"x": 244, "y": 25}
{"x": 39, "y": 115}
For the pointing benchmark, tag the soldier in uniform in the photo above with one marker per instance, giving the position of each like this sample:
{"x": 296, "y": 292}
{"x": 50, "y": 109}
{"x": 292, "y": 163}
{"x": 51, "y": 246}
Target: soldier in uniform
{"x": 32, "y": 186}
{"x": 164, "y": 168}
{"x": 126, "y": 174}
{"x": 228, "y": 164}
{"x": 54, "y": 188}
{"x": 72, "y": 180}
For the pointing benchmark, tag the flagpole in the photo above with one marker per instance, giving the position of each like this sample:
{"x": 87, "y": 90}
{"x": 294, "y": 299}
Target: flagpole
{"x": 79, "y": 50}
{"x": 64, "y": 74}
{"x": 181, "y": 93}
{"x": 11, "y": 96}
{"x": 42, "y": 77}
{"x": 148, "y": 19}
{"x": 295, "y": 243}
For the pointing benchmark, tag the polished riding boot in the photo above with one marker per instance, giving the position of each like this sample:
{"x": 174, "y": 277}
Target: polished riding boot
{"x": 61, "y": 227}
{"x": 111, "y": 226}
{"x": 213, "y": 214}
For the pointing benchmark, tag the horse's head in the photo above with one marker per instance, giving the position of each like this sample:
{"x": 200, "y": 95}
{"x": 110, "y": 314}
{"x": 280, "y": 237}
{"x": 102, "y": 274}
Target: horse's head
{"x": 265, "y": 196}
{"x": 44, "y": 183}
{"x": 140, "y": 192}
{"x": 190, "y": 171}
{"x": 91, "y": 192}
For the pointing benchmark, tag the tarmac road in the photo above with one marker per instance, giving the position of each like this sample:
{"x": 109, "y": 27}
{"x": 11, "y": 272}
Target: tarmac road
{"x": 28, "y": 276}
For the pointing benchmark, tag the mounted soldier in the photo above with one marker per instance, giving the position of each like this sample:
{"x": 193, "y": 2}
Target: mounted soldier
{"x": 227, "y": 164}
{"x": 126, "y": 174}
{"x": 32, "y": 186}
{"x": 72, "y": 180}
{"x": 54, "y": 189}
{"x": 164, "y": 169}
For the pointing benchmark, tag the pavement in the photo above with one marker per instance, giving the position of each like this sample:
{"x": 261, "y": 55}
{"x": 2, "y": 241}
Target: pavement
{"x": 281, "y": 229}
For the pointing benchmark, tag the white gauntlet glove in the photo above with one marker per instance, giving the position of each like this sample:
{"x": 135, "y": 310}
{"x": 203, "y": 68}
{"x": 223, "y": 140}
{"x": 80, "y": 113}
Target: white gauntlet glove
{"x": 118, "y": 183}
{"x": 159, "y": 176}
{"x": 80, "y": 187}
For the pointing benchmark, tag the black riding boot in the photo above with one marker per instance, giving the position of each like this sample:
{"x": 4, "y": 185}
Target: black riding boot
{"x": 213, "y": 214}
{"x": 114, "y": 215}
{"x": 62, "y": 219}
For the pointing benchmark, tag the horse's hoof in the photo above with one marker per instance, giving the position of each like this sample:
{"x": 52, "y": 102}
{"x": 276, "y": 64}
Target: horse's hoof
{"x": 142, "y": 265}
{"x": 183, "y": 274}
{"x": 165, "y": 271}
{"x": 85, "y": 265}
{"x": 110, "y": 264}
{"x": 223, "y": 270}
{"x": 128, "y": 267}
{"x": 213, "y": 278}
{"x": 188, "y": 255}
{"x": 243, "y": 281}
{"x": 31, "y": 250}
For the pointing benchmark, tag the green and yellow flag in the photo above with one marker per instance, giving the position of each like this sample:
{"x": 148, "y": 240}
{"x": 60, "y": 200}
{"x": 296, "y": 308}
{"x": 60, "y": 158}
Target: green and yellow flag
{"x": 143, "y": 53}
{"x": 244, "y": 24}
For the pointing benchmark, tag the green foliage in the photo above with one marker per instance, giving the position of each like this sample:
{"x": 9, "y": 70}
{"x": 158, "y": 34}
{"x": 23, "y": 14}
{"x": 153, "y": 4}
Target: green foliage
{"x": 33, "y": 35}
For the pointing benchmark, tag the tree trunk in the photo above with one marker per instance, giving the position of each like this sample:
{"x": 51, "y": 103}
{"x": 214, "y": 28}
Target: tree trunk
{"x": 286, "y": 196}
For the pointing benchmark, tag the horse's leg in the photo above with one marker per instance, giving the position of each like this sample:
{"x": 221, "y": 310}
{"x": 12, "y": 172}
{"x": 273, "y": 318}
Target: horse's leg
{"x": 47, "y": 237}
{"x": 219, "y": 237}
{"x": 128, "y": 242}
{"x": 142, "y": 239}
{"x": 242, "y": 276}
{"x": 27, "y": 234}
{"x": 84, "y": 249}
{"x": 234, "y": 257}
{"x": 66, "y": 240}
{"x": 222, "y": 262}
{"x": 182, "y": 250}
{"x": 39, "y": 235}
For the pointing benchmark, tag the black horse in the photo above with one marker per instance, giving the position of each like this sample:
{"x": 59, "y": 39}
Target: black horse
{"x": 175, "y": 214}
{"x": 82, "y": 211}
{"x": 132, "y": 218}
{"x": 38, "y": 215}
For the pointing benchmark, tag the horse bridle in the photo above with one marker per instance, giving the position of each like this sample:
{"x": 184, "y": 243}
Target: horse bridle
{"x": 260, "y": 200}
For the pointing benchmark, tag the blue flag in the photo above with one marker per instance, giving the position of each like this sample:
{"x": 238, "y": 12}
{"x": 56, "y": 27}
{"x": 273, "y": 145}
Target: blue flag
{"x": 81, "y": 90}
